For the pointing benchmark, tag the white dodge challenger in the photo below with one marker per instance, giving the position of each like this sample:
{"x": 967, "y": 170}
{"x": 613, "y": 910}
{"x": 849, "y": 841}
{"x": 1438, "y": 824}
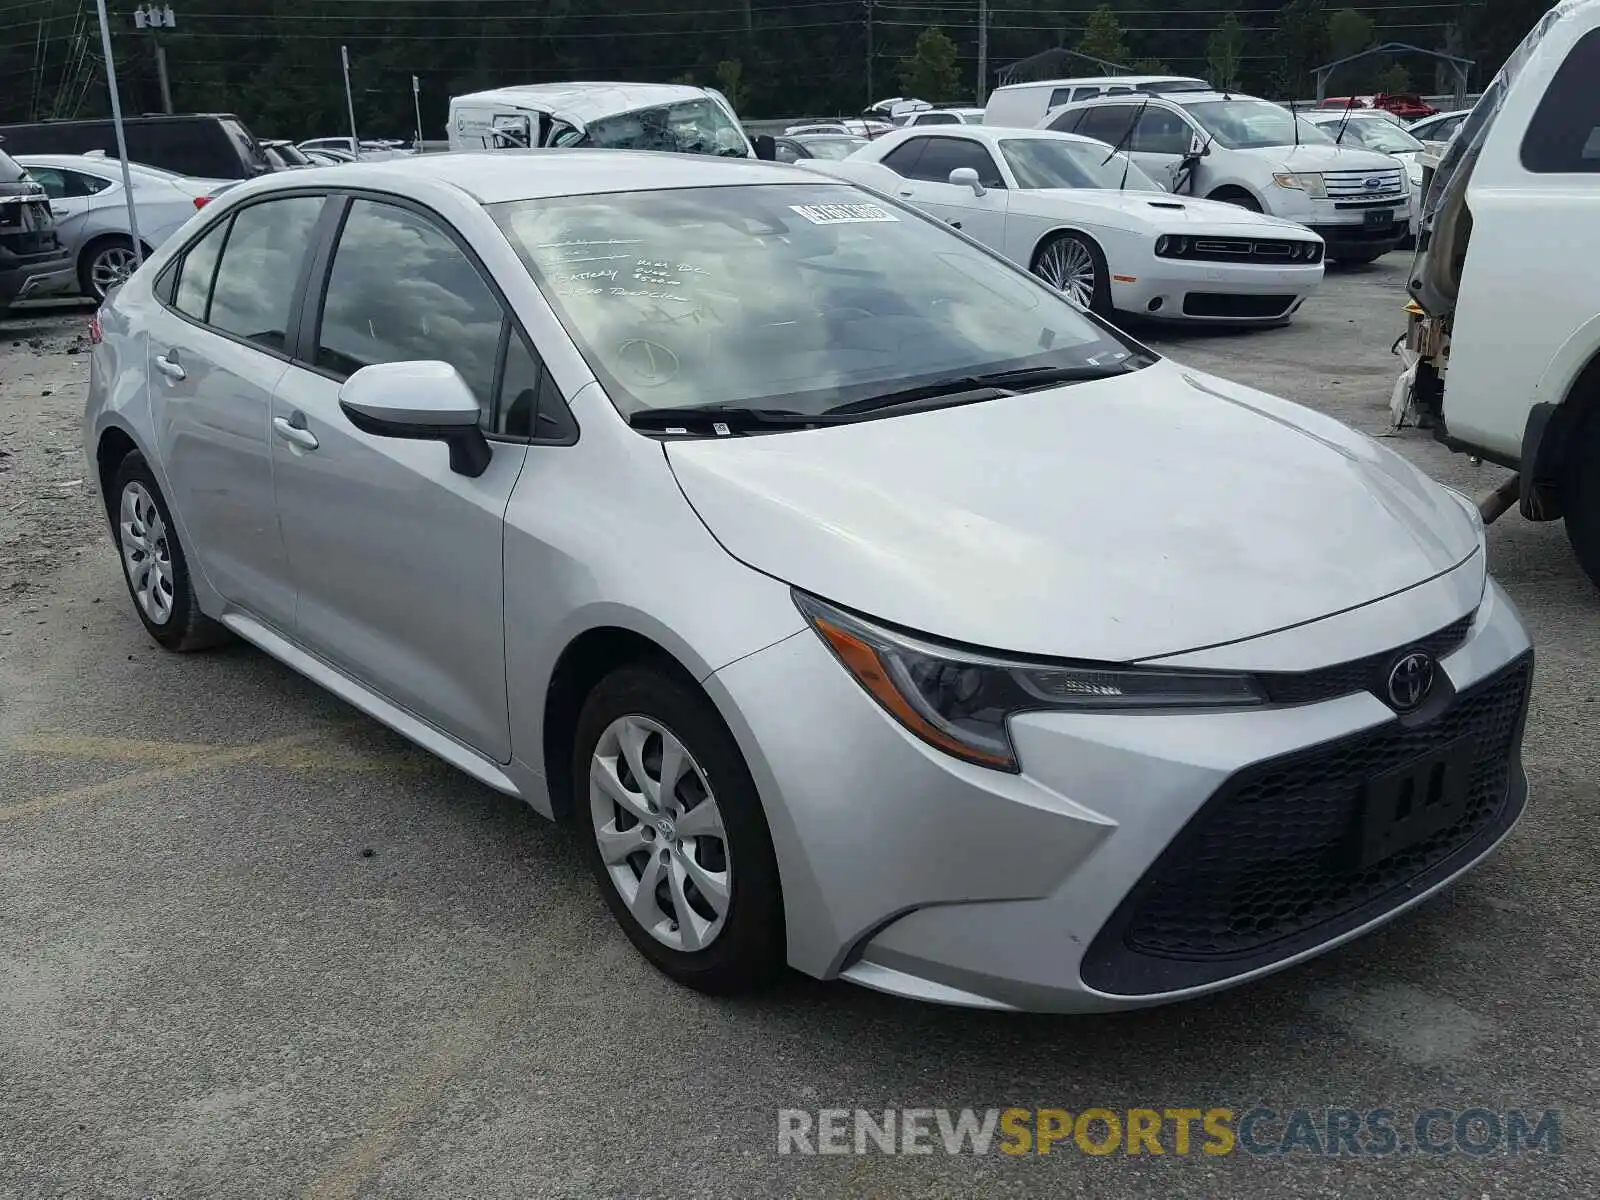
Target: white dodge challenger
{"x": 1084, "y": 218}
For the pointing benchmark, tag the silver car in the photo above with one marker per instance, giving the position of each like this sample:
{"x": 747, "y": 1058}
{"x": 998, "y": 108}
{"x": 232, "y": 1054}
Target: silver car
{"x": 865, "y": 605}
{"x": 91, "y": 211}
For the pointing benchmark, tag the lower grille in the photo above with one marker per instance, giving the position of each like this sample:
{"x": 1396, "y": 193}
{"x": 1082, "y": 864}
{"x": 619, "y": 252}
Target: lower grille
{"x": 1225, "y": 304}
{"x": 1275, "y": 862}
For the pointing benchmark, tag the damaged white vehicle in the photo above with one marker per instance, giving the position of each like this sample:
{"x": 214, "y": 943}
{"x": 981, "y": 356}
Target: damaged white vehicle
{"x": 1085, "y": 219}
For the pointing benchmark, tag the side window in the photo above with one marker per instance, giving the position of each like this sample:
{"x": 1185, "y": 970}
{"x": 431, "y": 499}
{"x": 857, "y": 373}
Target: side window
{"x": 1564, "y": 135}
{"x": 400, "y": 290}
{"x": 902, "y": 160}
{"x": 1109, "y": 122}
{"x": 79, "y": 184}
{"x": 1161, "y": 132}
{"x": 1085, "y": 93}
{"x": 196, "y": 270}
{"x": 52, "y": 179}
{"x": 1068, "y": 121}
{"x": 937, "y": 119}
{"x": 260, "y": 266}
{"x": 945, "y": 154}
{"x": 1066, "y": 95}
{"x": 787, "y": 151}
{"x": 531, "y": 406}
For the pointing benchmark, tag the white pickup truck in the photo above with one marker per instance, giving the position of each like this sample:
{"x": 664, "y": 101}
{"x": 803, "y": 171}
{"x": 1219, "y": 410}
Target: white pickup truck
{"x": 1504, "y": 339}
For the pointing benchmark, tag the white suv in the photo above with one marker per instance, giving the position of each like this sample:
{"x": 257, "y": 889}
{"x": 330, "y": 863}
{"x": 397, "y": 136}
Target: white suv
{"x": 1258, "y": 155}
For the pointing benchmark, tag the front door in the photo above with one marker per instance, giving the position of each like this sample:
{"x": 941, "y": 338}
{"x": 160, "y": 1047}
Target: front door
{"x": 398, "y": 558}
{"x": 926, "y": 184}
{"x": 216, "y": 352}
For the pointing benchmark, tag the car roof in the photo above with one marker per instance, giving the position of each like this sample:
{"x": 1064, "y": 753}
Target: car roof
{"x": 1103, "y": 81}
{"x": 586, "y": 101}
{"x": 987, "y": 134}
{"x": 496, "y": 176}
{"x": 92, "y": 163}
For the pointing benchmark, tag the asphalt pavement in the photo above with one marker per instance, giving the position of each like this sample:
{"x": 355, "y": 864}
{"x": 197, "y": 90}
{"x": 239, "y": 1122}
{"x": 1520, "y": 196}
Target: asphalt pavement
{"x": 254, "y": 945}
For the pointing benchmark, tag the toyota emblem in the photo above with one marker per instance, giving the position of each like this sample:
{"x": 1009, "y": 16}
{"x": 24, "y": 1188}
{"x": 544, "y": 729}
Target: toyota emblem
{"x": 1410, "y": 680}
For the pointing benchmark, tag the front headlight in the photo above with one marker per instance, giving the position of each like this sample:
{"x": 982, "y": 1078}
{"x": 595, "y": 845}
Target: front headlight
{"x": 959, "y": 700}
{"x": 1309, "y": 182}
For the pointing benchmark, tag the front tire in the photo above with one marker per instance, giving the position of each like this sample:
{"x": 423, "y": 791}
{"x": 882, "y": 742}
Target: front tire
{"x": 1075, "y": 266}
{"x": 1237, "y": 197}
{"x": 675, "y": 834}
{"x": 154, "y": 565}
{"x": 1580, "y": 497}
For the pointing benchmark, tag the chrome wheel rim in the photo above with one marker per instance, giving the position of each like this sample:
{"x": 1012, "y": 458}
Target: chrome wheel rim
{"x": 111, "y": 266}
{"x": 146, "y": 553}
{"x": 1067, "y": 266}
{"x": 660, "y": 833}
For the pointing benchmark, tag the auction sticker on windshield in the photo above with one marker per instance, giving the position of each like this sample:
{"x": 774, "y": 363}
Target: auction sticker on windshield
{"x": 843, "y": 214}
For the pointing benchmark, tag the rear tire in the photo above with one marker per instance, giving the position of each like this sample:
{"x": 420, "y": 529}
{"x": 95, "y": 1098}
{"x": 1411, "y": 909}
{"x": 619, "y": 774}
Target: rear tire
{"x": 103, "y": 264}
{"x": 153, "y": 562}
{"x": 688, "y": 868}
{"x": 1580, "y": 497}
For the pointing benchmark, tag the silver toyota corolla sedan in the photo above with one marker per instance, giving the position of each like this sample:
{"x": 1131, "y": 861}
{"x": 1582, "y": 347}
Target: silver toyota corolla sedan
{"x": 863, "y": 604}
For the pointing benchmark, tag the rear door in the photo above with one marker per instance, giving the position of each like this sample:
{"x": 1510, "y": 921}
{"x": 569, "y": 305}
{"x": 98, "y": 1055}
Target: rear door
{"x": 72, "y": 194}
{"x": 397, "y": 557}
{"x": 217, "y": 350}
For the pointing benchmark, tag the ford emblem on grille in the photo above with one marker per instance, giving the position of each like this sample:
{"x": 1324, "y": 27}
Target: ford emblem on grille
{"x": 1373, "y": 184}
{"x": 1410, "y": 680}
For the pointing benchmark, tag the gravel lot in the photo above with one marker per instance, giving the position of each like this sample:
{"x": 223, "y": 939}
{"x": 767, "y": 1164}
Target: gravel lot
{"x": 252, "y": 944}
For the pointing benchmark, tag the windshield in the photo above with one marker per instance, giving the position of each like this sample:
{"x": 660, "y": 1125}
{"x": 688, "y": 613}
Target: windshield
{"x": 834, "y": 148}
{"x": 1380, "y": 134}
{"x": 1052, "y": 163}
{"x": 690, "y": 127}
{"x": 799, "y": 297}
{"x": 1253, "y": 124}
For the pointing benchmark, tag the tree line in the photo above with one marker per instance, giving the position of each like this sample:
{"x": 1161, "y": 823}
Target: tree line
{"x": 276, "y": 63}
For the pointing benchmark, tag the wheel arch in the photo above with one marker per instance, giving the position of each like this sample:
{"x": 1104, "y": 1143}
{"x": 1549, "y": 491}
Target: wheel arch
{"x": 1221, "y": 192}
{"x": 91, "y": 245}
{"x": 113, "y": 445}
{"x": 1553, "y": 427}
{"x": 1083, "y": 231}
{"x": 584, "y": 661}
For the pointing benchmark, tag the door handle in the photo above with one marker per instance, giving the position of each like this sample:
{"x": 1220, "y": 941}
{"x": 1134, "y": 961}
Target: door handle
{"x": 57, "y": 210}
{"x": 296, "y": 434}
{"x": 907, "y": 192}
{"x": 955, "y": 224}
{"x": 171, "y": 367}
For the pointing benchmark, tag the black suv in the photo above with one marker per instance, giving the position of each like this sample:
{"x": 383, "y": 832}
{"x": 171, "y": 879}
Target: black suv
{"x": 200, "y": 145}
{"x": 33, "y": 262}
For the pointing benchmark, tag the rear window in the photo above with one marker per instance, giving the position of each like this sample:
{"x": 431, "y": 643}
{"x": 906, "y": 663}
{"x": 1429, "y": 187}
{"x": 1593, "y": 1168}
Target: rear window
{"x": 10, "y": 172}
{"x": 1564, "y": 135}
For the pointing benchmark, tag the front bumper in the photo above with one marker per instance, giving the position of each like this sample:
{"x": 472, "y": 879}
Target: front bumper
{"x": 908, "y": 871}
{"x": 1215, "y": 292}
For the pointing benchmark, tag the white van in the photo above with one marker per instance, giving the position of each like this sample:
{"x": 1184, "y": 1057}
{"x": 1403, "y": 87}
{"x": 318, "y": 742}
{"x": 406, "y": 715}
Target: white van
{"x": 625, "y": 116}
{"x": 1023, "y": 105}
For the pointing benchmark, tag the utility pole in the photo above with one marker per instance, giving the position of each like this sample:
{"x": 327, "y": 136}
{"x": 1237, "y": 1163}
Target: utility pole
{"x": 983, "y": 52}
{"x": 416, "y": 102}
{"x": 154, "y": 19}
{"x": 867, "y": 4}
{"x": 122, "y": 137}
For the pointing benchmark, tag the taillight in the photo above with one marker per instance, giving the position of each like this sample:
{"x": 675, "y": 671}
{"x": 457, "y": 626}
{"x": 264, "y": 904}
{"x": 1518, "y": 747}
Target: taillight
{"x": 201, "y": 201}
{"x": 94, "y": 330}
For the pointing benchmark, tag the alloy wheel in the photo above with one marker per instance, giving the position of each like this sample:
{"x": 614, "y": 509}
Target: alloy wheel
{"x": 142, "y": 538}
{"x": 110, "y": 267}
{"x": 660, "y": 833}
{"x": 1066, "y": 265}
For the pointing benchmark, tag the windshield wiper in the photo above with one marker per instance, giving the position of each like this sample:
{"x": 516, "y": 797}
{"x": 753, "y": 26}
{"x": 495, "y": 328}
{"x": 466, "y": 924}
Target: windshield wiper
{"x": 972, "y": 389}
{"x": 723, "y": 421}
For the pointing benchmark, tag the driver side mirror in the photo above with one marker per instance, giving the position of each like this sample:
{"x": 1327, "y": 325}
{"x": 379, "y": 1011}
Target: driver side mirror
{"x": 968, "y": 177}
{"x": 1197, "y": 148}
{"x": 766, "y": 147}
{"x": 424, "y": 401}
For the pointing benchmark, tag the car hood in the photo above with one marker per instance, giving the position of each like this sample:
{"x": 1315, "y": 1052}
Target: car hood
{"x": 1161, "y": 210}
{"x": 1323, "y": 158}
{"x": 1118, "y": 520}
